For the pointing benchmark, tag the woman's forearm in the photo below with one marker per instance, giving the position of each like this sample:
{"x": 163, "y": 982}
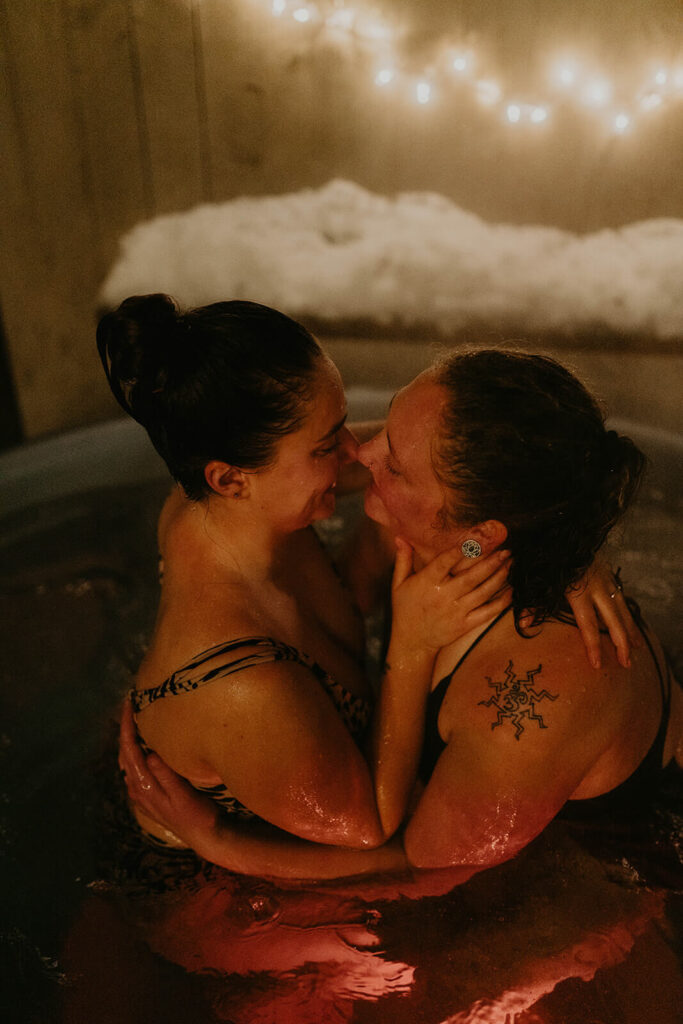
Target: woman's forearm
{"x": 263, "y": 850}
{"x": 398, "y": 730}
{"x": 431, "y": 608}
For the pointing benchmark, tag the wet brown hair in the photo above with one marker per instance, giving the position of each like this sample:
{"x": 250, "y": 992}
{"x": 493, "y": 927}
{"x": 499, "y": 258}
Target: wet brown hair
{"x": 523, "y": 442}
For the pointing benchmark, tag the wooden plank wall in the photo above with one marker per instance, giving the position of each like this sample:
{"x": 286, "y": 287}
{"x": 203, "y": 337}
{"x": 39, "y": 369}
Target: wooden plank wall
{"x": 113, "y": 111}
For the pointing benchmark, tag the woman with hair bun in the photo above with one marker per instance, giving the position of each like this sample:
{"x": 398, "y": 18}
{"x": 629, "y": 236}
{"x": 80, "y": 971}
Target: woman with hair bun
{"x": 487, "y": 736}
{"x": 253, "y": 685}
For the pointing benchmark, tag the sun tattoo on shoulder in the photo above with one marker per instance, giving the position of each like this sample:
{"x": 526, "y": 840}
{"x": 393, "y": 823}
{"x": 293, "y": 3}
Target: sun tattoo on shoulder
{"x": 515, "y": 699}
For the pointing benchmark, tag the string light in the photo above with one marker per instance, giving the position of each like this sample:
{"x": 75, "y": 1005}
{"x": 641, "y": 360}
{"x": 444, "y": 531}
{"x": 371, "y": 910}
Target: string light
{"x": 592, "y": 91}
{"x": 565, "y": 75}
{"x": 621, "y": 123}
{"x": 342, "y": 19}
{"x": 487, "y": 92}
{"x": 373, "y": 29}
{"x": 423, "y": 91}
{"x": 651, "y": 101}
{"x": 384, "y": 76}
{"x": 596, "y": 93}
{"x": 520, "y": 113}
{"x": 462, "y": 62}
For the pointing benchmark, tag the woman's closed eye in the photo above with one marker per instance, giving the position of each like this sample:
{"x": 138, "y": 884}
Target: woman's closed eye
{"x": 329, "y": 450}
{"x": 389, "y": 467}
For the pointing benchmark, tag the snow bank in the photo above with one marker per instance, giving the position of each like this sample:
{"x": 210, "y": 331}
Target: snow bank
{"x": 340, "y": 253}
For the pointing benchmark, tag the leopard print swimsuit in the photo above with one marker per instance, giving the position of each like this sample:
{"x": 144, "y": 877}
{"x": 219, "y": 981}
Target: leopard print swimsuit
{"x": 225, "y": 659}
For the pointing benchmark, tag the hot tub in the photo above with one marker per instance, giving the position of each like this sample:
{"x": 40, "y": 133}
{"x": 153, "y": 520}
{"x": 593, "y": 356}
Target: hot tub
{"x": 558, "y": 936}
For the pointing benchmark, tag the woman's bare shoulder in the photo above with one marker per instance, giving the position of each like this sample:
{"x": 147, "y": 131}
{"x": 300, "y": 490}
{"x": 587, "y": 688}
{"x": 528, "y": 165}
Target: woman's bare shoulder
{"x": 515, "y": 686}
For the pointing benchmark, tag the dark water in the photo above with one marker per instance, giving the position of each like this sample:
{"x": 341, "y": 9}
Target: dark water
{"x": 559, "y": 936}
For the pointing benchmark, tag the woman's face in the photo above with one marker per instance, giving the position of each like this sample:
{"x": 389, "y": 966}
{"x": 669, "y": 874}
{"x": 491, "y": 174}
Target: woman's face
{"x": 405, "y": 494}
{"x": 299, "y": 487}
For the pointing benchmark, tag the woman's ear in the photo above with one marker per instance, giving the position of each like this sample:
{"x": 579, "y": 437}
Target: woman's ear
{"x": 491, "y": 534}
{"x": 222, "y": 478}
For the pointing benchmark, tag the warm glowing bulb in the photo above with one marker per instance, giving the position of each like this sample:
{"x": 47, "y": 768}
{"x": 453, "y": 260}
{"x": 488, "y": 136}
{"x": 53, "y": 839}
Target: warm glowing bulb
{"x": 488, "y": 92}
{"x": 621, "y": 123}
{"x": 597, "y": 92}
{"x": 423, "y": 92}
{"x": 341, "y": 19}
{"x": 372, "y": 28}
{"x": 513, "y": 113}
{"x": 278, "y": 7}
{"x": 302, "y": 14}
{"x": 651, "y": 101}
{"x": 384, "y": 76}
{"x": 462, "y": 62}
{"x": 565, "y": 73}
{"x": 661, "y": 77}
{"x": 539, "y": 114}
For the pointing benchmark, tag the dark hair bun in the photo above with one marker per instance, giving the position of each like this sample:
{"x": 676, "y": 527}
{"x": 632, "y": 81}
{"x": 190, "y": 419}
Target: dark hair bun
{"x": 151, "y": 313}
{"x": 136, "y": 345}
{"x": 225, "y": 381}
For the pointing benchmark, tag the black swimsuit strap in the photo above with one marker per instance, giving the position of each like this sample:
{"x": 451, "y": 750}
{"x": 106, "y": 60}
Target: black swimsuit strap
{"x": 665, "y": 678}
{"x": 443, "y": 683}
{"x": 433, "y": 745}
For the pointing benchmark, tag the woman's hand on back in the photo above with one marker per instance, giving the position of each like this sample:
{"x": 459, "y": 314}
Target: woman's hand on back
{"x": 451, "y": 595}
{"x": 158, "y": 791}
{"x": 600, "y": 593}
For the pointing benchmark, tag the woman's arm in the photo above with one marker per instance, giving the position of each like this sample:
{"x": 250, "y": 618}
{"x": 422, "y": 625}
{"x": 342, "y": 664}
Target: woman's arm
{"x": 249, "y": 848}
{"x": 452, "y": 601}
{"x": 275, "y": 740}
{"x": 257, "y": 848}
{"x": 522, "y": 731}
{"x": 280, "y": 725}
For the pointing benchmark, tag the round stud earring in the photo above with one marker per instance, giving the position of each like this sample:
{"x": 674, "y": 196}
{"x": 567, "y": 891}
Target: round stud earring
{"x": 471, "y": 548}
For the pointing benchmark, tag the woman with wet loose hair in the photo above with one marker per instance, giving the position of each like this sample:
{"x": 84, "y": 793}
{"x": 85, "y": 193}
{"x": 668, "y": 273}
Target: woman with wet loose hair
{"x": 509, "y": 726}
{"x": 521, "y": 440}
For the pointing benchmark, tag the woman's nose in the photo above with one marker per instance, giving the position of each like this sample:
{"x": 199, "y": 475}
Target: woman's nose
{"x": 348, "y": 447}
{"x": 365, "y": 453}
